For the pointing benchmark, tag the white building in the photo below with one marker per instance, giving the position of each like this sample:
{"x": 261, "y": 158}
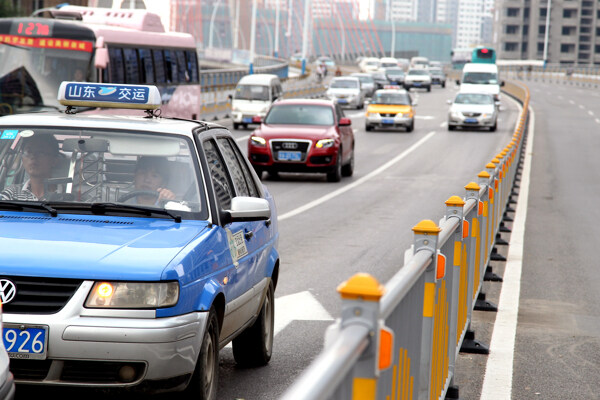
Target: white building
{"x": 473, "y": 22}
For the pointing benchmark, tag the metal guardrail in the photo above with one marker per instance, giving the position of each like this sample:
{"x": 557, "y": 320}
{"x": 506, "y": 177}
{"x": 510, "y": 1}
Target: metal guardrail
{"x": 401, "y": 341}
{"x": 586, "y": 77}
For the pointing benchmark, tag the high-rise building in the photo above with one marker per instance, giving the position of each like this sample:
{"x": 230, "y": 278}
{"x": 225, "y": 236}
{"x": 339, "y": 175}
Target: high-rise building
{"x": 520, "y": 31}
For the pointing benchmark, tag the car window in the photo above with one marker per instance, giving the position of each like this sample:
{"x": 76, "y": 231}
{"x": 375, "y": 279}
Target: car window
{"x": 300, "y": 114}
{"x": 474, "y": 98}
{"x": 480, "y": 78}
{"x": 391, "y": 98}
{"x": 344, "y": 84}
{"x": 242, "y": 179}
{"x": 251, "y": 92}
{"x": 98, "y": 166}
{"x": 218, "y": 174}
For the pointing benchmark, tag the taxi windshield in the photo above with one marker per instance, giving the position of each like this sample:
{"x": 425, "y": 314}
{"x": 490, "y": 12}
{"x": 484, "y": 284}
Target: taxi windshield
{"x": 391, "y": 98}
{"x": 79, "y": 168}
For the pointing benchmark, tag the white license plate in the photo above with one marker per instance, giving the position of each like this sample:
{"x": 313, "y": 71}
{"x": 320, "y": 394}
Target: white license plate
{"x": 289, "y": 156}
{"x": 25, "y": 341}
{"x": 387, "y": 121}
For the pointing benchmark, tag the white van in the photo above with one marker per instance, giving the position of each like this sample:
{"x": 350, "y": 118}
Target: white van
{"x": 369, "y": 64}
{"x": 253, "y": 96}
{"x": 386, "y": 62}
{"x": 419, "y": 62}
{"x": 481, "y": 78}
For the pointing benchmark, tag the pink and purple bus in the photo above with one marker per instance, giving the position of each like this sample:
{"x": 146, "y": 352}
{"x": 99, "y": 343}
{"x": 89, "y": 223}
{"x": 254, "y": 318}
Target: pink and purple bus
{"x": 74, "y": 43}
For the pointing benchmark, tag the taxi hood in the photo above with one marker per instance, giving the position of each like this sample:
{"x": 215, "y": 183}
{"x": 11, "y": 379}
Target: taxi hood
{"x": 91, "y": 247}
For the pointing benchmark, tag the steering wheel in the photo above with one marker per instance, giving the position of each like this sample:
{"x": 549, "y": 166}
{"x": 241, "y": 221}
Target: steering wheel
{"x": 136, "y": 193}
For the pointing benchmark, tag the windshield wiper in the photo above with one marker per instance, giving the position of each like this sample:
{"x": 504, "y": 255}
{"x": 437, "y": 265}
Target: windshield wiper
{"x": 101, "y": 208}
{"x": 22, "y": 204}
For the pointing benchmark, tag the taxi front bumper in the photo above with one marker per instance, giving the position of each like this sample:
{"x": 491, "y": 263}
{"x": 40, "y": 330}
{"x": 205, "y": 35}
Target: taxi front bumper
{"x": 111, "y": 348}
{"x": 383, "y": 122}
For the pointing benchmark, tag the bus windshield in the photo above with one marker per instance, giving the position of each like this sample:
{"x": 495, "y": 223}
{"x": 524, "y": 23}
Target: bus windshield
{"x": 30, "y": 77}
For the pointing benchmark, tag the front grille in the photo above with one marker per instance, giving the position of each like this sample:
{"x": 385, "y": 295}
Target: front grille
{"x": 30, "y": 370}
{"x": 290, "y": 145}
{"x": 388, "y": 115}
{"x": 40, "y": 295}
{"x": 471, "y": 114}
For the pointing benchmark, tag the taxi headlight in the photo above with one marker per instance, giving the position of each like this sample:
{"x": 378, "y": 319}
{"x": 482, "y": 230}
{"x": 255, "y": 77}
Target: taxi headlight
{"x": 108, "y": 294}
{"x": 258, "y": 141}
{"x": 324, "y": 143}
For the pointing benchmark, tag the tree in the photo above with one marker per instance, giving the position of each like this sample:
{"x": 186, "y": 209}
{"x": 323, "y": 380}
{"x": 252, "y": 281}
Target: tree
{"x": 7, "y": 9}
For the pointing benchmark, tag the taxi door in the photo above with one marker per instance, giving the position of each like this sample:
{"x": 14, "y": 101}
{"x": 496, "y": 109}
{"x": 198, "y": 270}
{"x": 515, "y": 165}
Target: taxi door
{"x": 246, "y": 240}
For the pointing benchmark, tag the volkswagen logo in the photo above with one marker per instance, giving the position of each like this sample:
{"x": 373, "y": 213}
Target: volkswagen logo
{"x": 8, "y": 291}
{"x": 289, "y": 145}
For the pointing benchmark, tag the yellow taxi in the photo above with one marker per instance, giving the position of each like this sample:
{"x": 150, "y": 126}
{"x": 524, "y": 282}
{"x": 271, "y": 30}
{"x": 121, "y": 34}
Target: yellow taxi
{"x": 391, "y": 107}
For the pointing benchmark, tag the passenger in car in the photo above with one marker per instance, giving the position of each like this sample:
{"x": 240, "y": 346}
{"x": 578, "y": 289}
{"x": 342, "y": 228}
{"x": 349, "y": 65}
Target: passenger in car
{"x": 152, "y": 175}
{"x": 40, "y": 155}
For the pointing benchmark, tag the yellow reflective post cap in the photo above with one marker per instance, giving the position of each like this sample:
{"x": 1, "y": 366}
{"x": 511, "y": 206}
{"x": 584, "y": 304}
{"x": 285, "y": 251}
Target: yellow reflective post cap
{"x": 483, "y": 174}
{"x": 473, "y": 185}
{"x": 361, "y": 285}
{"x": 426, "y": 226}
{"x": 490, "y": 165}
{"x": 455, "y": 201}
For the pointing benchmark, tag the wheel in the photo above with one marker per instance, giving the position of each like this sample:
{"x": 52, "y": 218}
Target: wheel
{"x": 411, "y": 127}
{"x": 203, "y": 384}
{"x": 336, "y": 174}
{"x": 254, "y": 346}
{"x": 443, "y": 84}
{"x": 494, "y": 127}
{"x": 368, "y": 128}
{"x": 236, "y": 125}
{"x": 245, "y": 126}
{"x": 429, "y": 88}
{"x": 273, "y": 174}
{"x": 451, "y": 127}
{"x": 348, "y": 169}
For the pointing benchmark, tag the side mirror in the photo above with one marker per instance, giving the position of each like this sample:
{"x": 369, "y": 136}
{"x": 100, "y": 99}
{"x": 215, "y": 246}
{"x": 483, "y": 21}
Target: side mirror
{"x": 256, "y": 119}
{"x": 249, "y": 209}
{"x": 345, "y": 122}
{"x": 101, "y": 58}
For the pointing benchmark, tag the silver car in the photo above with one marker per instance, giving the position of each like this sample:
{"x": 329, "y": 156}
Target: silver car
{"x": 346, "y": 91}
{"x": 367, "y": 82}
{"x": 7, "y": 384}
{"x": 476, "y": 110}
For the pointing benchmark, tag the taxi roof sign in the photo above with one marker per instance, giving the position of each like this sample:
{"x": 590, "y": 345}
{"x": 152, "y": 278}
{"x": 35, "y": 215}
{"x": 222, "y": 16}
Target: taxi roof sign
{"x": 392, "y": 87}
{"x": 109, "y": 95}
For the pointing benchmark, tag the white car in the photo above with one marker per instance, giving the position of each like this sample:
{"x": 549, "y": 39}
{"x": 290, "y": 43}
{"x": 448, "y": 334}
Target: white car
{"x": 369, "y": 64}
{"x": 476, "y": 110}
{"x": 7, "y": 384}
{"x": 417, "y": 78}
{"x": 346, "y": 91}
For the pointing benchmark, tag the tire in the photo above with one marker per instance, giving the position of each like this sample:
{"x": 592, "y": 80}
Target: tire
{"x": 336, "y": 174}
{"x": 429, "y": 88}
{"x": 245, "y": 126}
{"x": 348, "y": 169}
{"x": 494, "y": 127}
{"x": 451, "y": 127}
{"x": 368, "y": 128}
{"x": 236, "y": 126}
{"x": 203, "y": 384}
{"x": 273, "y": 174}
{"x": 411, "y": 127}
{"x": 254, "y": 346}
{"x": 443, "y": 84}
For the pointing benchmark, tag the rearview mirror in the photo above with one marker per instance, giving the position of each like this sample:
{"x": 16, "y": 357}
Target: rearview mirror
{"x": 249, "y": 209}
{"x": 345, "y": 122}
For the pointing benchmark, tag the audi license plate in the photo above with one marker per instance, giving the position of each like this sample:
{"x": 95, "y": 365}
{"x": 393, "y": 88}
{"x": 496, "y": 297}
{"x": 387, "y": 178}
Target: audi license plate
{"x": 247, "y": 120}
{"x": 26, "y": 342}
{"x": 471, "y": 120}
{"x": 289, "y": 156}
{"x": 387, "y": 121}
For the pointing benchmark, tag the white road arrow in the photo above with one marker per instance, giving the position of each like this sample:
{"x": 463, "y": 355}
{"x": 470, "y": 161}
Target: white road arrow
{"x": 300, "y": 306}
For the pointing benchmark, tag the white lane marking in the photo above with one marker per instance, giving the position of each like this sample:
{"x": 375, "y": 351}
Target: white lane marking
{"x": 560, "y": 97}
{"x": 597, "y": 121}
{"x": 356, "y": 183}
{"x": 497, "y": 382}
{"x": 424, "y": 117}
{"x": 356, "y": 114}
{"x": 591, "y": 113}
{"x": 571, "y": 101}
{"x": 243, "y": 138}
{"x": 444, "y": 124}
{"x": 300, "y": 306}
{"x": 581, "y": 106}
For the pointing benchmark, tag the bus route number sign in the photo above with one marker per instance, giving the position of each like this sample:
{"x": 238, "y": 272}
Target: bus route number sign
{"x": 31, "y": 28}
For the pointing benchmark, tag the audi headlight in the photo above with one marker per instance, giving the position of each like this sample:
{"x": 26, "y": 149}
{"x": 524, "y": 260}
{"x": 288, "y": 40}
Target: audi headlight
{"x": 258, "y": 141}
{"x": 133, "y": 295}
{"x": 324, "y": 143}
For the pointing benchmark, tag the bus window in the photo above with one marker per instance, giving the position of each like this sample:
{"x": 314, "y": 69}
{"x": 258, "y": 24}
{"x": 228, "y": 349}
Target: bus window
{"x": 117, "y": 74}
{"x": 183, "y": 74}
{"x": 132, "y": 72}
{"x": 171, "y": 63}
{"x": 192, "y": 65}
{"x": 159, "y": 66}
{"x": 147, "y": 68}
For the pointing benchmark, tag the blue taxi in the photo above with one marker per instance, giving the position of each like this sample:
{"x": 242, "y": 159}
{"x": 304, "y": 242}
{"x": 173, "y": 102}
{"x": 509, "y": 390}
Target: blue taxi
{"x": 132, "y": 248}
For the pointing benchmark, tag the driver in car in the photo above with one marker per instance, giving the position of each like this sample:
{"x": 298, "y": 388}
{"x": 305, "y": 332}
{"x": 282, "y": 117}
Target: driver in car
{"x": 151, "y": 177}
{"x": 40, "y": 155}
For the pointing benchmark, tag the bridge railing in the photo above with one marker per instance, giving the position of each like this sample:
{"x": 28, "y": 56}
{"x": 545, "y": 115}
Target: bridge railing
{"x": 401, "y": 340}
